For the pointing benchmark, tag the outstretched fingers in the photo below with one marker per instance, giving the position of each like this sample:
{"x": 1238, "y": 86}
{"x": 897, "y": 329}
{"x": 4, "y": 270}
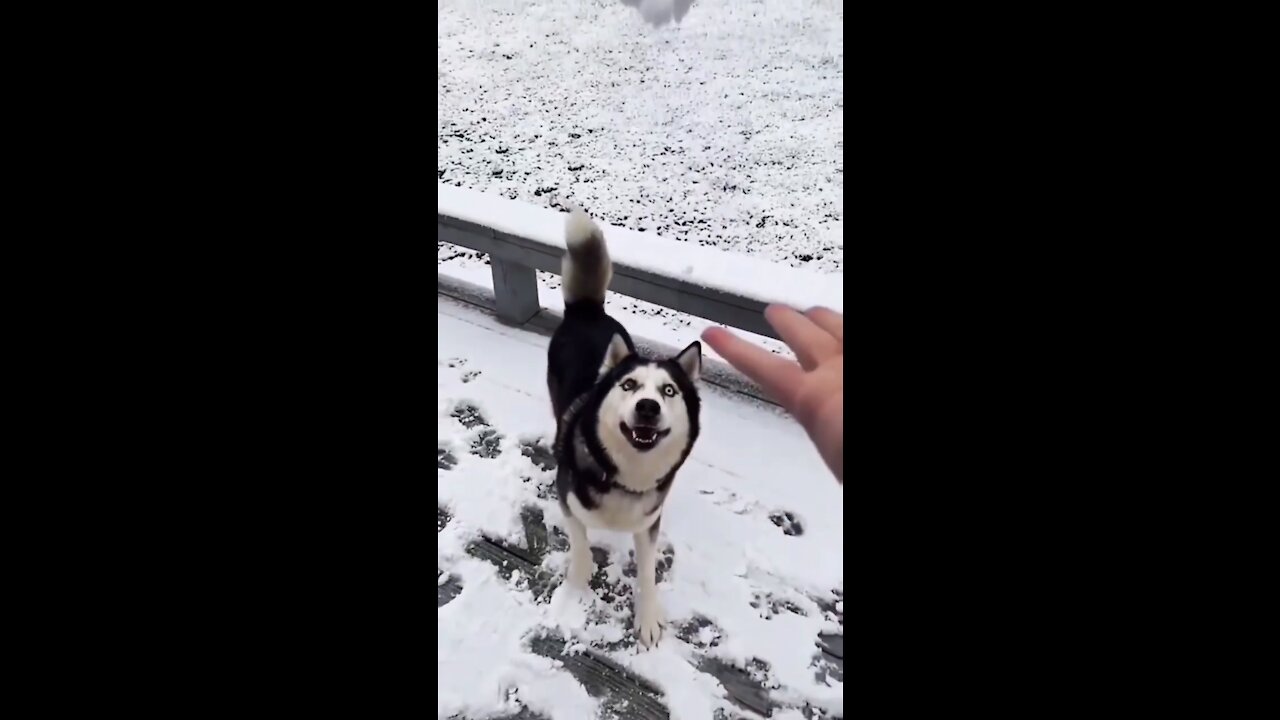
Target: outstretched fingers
{"x": 829, "y": 320}
{"x": 776, "y": 376}
{"x": 811, "y": 343}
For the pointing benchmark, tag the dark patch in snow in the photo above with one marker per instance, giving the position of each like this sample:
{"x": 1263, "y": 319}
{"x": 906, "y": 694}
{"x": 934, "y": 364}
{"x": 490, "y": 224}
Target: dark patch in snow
{"x": 524, "y": 714}
{"x": 508, "y": 559}
{"x": 768, "y": 605}
{"x": 830, "y": 661}
{"x": 537, "y": 541}
{"x": 789, "y": 523}
{"x": 487, "y": 444}
{"x": 746, "y": 686}
{"x": 539, "y": 454}
{"x": 621, "y": 690}
{"x": 691, "y": 632}
{"x": 445, "y": 459}
{"x": 469, "y": 416}
{"x": 662, "y": 565}
{"x": 447, "y": 590}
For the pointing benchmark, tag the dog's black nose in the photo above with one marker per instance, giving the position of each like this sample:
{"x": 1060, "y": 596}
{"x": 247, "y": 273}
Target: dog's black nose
{"x": 648, "y": 409}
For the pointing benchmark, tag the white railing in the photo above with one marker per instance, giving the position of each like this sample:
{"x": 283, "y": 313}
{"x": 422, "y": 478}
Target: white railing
{"x": 725, "y": 288}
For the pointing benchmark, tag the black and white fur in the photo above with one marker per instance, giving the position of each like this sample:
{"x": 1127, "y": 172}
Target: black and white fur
{"x": 624, "y": 424}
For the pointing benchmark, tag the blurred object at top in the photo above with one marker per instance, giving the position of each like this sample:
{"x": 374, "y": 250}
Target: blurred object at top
{"x": 660, "y": 12}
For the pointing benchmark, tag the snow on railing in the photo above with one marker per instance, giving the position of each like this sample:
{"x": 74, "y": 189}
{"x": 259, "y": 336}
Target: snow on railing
{"x": 723, "y": 287}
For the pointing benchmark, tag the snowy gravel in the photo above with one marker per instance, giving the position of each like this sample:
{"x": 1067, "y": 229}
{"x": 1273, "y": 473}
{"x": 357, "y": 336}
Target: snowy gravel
{"x": 726, "y": 129}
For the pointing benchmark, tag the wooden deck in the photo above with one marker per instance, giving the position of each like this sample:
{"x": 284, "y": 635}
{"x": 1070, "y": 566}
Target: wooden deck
{"x": 511, "y": 371}
{"x": 622, "y": 693}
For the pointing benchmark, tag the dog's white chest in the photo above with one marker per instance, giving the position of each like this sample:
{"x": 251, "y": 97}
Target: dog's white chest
{"x": 617, "y": 510}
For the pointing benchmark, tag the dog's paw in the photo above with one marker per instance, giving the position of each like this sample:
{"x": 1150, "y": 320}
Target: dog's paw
{"x": 649, "y": 622}
{"x": 581, "y": 565}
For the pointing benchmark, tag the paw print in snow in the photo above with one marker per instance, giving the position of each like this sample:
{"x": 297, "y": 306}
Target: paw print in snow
{"x": 700, "y": 632}
{"x": 539, "y": 454}
{"x": 661, "y": 564}
{"x": 445, "y": 459}
{"x": 486, "y": 444}
{"x": 789, "y": 523}
{"x": 469, "y": 416}
{"x": 768, "y": 605}
{"x": 470, "y": 375}
{"x": 666, "y": 558}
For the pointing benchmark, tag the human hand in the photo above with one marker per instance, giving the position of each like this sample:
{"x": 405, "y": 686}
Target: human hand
{"x": 813, "y": 390}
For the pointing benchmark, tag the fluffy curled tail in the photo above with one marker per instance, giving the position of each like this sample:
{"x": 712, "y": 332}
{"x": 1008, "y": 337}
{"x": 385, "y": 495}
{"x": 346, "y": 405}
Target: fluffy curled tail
{"x": 586, "y": 268}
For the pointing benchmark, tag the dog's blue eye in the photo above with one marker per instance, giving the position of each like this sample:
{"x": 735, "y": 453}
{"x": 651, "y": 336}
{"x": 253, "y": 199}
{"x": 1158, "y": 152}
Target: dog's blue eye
{"x": 629, "y": 385}
{"x": 668, "y": 390}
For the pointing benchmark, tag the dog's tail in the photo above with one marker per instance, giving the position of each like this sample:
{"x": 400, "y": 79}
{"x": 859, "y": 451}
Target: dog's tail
{"x": 586, "y": 268}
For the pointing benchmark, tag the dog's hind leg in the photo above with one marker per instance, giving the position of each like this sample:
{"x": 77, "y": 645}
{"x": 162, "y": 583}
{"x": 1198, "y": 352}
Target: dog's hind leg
{"x": 647, "y": 608}
{"x": 581, "y": 564}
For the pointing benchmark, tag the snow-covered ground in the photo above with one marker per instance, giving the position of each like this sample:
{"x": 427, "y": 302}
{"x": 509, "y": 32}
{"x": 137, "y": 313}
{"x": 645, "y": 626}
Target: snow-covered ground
{"x": 753, "y": 530}
{"x": 724, "y": 130}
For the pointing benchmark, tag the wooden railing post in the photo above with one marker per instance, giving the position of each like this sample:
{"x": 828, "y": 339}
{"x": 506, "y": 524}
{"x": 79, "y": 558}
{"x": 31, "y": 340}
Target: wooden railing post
{"x": 515, "y": 290}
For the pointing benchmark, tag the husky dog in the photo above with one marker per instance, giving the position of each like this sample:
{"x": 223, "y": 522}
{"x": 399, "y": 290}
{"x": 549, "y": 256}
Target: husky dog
{"x": 624, "y": 423}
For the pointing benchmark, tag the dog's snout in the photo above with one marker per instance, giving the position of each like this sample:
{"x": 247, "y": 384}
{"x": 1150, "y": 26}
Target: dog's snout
{"x": 648, "y": 409}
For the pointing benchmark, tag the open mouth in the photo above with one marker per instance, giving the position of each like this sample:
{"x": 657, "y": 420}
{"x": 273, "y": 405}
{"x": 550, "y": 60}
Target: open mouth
{"x": 643, "y": 437}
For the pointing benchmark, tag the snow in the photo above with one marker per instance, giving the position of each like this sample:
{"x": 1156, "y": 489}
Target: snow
{"x": 724, "y": 130}
{"x": 710, "y": 149}
{"x": 730, "y": 561}
{"x": 482, "y": 667}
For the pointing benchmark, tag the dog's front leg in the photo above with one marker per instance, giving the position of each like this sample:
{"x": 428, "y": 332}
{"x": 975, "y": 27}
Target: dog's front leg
{"x": 581, "y": 564}
{"x": 648, "y": 610}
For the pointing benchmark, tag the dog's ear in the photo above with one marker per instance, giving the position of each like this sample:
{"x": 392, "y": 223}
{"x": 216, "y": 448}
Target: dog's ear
{"x": 616, "y": 353}
{"x": 690, "y": 360}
